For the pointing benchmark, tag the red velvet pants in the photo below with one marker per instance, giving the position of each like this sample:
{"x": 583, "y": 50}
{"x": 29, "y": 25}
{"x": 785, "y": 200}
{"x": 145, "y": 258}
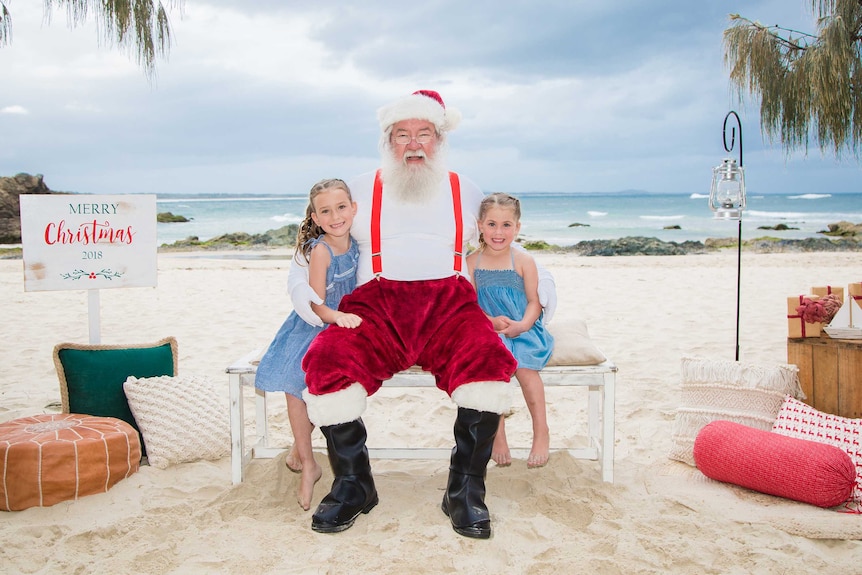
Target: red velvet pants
{"x": 436, "y": 324}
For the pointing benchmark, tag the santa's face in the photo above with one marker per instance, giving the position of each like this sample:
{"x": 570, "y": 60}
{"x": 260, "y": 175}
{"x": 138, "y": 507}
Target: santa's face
{"x": 413, "y": 161}
{"x": 413, "y": 142}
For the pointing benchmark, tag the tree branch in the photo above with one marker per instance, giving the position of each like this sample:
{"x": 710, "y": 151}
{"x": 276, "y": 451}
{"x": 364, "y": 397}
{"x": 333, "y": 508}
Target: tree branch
{"x": 788, "y": 42}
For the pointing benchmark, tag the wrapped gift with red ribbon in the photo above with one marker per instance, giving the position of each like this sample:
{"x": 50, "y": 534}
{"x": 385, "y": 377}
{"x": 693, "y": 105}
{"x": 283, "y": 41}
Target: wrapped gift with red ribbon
{"x": 824, "y": 291}
{"x": 854, "y": 290}
{"x": 804, "y": 316}
{"x": 832, "y": 298}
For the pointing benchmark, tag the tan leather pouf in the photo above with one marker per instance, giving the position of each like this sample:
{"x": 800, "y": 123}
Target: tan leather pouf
{"x": 46, "y": 459}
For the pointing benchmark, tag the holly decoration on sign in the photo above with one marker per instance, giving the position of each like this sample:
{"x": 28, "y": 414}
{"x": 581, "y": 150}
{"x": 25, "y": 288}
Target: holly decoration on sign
{"x": 105, "y": 273}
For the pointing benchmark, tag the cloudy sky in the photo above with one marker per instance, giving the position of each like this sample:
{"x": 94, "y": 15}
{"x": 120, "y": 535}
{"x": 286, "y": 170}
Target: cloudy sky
{"x": 269, "y": 96}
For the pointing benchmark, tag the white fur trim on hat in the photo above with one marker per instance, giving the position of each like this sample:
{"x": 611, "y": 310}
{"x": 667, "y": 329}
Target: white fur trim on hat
{"x": 419, "y": 106}
{"x": 338, "y": 407}
{"x": 493, "y": 396}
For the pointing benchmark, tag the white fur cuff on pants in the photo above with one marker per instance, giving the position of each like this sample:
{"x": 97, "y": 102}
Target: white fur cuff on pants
{"x": 338, "y": 407}
{"x": 493, "y": 396}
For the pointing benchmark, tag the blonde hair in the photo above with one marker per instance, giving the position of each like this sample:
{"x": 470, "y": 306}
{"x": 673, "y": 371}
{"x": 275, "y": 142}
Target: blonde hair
{"x": 308, "y": 229}
{"x": 498, "y": 200}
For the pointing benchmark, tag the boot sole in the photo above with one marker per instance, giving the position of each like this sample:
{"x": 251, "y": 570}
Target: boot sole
{"x": 470, "y": 531}
{"x": 328, "y": 528}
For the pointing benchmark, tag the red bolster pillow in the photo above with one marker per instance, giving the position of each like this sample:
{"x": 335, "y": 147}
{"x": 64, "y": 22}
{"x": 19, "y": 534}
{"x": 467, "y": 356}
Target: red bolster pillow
{"x": 798, "y": 469}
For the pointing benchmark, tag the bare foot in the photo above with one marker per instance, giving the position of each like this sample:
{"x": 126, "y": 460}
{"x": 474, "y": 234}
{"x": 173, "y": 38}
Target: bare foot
{"x": 292, "y": 460}
{"x": 500, "y": 450}
{"x": 310, "y": 476}
{"x": 540, "y": 451}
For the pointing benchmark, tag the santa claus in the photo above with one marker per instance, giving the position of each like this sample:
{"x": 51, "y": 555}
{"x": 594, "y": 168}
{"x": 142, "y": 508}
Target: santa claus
{"x": 418, "y": 307}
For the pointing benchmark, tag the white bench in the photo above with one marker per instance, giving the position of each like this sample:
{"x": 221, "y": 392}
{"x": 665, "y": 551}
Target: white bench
{"x": 600, "y": 379}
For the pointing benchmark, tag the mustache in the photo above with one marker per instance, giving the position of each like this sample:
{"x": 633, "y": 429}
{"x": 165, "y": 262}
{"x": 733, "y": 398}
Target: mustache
{"x": 416, "y": 154}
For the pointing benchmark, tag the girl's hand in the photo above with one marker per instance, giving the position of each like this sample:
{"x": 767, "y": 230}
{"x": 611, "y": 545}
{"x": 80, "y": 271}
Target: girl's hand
{"x": 514, "y": 329}
{"x": 500, "y": 323}
{"x": 348, "y": 320}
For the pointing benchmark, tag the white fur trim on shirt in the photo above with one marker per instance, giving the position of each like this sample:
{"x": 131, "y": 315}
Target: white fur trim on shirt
{"x": 338, "y": 407}
{"x": 493, "y": 396}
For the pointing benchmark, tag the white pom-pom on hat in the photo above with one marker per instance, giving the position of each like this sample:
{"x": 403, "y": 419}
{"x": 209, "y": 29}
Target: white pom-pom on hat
{"x": 420, "y": 105}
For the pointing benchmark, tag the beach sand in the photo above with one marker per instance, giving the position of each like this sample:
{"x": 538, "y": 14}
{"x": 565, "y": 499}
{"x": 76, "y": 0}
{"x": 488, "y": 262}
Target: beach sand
{"x": 646, "y": 313}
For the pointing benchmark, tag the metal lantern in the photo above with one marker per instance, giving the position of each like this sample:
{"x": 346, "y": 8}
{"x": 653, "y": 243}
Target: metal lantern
{"x": 727, "y": 193}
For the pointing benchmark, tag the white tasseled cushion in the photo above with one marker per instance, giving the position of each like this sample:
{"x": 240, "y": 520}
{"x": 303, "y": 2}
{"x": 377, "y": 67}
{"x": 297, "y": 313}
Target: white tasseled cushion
{"x": 734, "y": 391}
{"x": 181, "y": 418}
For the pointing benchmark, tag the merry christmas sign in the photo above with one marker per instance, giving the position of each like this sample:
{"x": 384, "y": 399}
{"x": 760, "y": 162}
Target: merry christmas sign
{"x": 83, "y": 242}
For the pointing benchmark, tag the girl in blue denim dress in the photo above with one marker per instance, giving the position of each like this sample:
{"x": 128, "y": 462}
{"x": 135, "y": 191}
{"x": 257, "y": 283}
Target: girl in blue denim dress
{"x": 324, "y": 243}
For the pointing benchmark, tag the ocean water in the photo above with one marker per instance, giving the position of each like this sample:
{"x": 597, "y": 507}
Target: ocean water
{"x": 550, "y": 217}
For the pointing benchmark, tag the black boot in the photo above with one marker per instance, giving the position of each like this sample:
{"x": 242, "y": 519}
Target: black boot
{"x": 353, "y": 489}
{"x": 464, "y": 500}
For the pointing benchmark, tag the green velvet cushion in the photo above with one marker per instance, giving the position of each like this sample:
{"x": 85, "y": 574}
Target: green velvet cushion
{"x": 92, "y": 376}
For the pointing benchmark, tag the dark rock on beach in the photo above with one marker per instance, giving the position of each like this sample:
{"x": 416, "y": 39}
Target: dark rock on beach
{"x": 772, "y": 245}
{"x": 284, "y": 236}
{"x": 642, "y": 246}
{"x": 636, "y": 246}
{"x": 170, "y": 218}
{"x": 10, "y": 203}
{"x": 777, "y": 228}
{"x": 843, "y": 229}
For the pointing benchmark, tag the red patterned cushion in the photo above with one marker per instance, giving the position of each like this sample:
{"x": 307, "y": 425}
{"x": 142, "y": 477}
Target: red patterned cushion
{"x": 797, "y": 419}
{"x": 767, "y": 462}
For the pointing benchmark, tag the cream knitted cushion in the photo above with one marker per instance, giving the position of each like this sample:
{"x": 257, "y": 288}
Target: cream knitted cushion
{"x": 181, "y": 418}
{"x": 743, "y": 393}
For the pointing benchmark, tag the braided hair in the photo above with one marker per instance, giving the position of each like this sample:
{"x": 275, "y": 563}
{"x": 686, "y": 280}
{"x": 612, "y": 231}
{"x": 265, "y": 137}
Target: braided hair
{"x": 308, "y": 229}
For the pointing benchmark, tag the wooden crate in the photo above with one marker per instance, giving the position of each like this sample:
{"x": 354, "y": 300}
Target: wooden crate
{"x": 830, "y": 373}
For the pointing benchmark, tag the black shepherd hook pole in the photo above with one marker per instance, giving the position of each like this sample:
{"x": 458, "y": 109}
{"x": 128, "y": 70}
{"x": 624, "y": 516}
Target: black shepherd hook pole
{"x": 727, "y": 148}
{"x": 739, "y": 240}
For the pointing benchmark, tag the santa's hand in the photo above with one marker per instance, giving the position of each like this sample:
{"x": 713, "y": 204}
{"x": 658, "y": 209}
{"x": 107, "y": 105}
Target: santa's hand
{"x": 547, "y": 293}
{"x": 302, "y": 295}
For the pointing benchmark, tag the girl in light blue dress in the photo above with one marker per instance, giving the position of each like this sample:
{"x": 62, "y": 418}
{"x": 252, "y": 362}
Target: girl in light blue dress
{"x": 324, "y": 244}
{"x": 507, "y": 284}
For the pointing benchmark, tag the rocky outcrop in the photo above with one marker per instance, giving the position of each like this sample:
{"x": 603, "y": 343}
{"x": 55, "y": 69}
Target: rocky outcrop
{"x": 636, "y": 246}
{"x": 770, "y": 245}
{"x": 284, "y": 236}
{"x": 641, "y": 246}
{"x": 843, "y": 229}
{"x": 10, "y": 203}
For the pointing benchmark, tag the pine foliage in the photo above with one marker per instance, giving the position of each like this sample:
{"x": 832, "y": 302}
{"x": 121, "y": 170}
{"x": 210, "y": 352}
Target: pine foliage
{"x": 139, "y": 25}
{"x": 808, "y": 85}
{"x": 5, "y": 25}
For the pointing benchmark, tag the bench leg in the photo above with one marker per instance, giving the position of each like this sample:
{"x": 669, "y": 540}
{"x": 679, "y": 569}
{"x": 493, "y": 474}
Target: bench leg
{"x": 260, "y": 425}
{"x": 237, "y": 435}
{"x": 608, "y": 438}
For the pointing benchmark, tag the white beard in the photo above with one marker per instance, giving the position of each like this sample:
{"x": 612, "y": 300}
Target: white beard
{"x": 413, "y": 184}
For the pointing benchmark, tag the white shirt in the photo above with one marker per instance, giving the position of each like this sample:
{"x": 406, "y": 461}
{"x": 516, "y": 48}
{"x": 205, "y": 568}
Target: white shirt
{"x": 417, "y": 241}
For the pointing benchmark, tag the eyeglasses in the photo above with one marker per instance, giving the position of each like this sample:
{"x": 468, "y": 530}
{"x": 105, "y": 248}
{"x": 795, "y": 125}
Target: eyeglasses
{"x": 404, "y": 139}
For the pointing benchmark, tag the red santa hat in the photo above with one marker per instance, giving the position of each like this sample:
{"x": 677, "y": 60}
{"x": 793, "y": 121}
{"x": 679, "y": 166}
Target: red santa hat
{"x": 420, "y": 105}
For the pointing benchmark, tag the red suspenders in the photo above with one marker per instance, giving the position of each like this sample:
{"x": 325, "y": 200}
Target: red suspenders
{"x": 459, "y": 221}
{"x": 376, "y": 201}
